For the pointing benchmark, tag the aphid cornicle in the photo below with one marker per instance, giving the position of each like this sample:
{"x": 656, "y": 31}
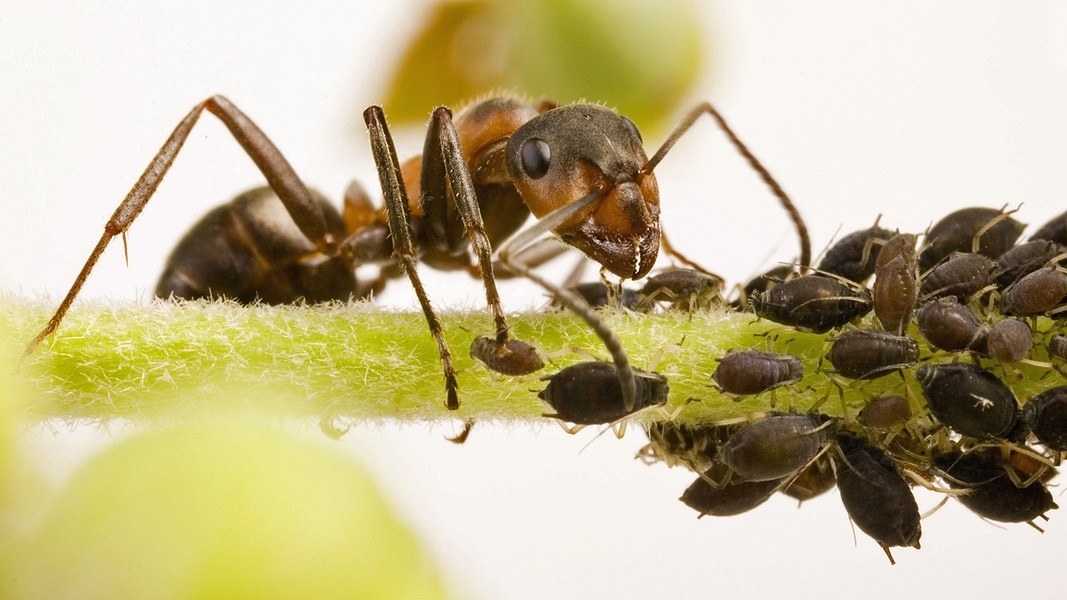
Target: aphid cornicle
{"x": 580, "y": 169}
{"x": 969, "y": 399}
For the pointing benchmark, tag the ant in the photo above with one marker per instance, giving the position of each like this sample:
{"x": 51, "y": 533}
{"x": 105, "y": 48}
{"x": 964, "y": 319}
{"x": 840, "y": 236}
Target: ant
{"x": 581, "y": 169}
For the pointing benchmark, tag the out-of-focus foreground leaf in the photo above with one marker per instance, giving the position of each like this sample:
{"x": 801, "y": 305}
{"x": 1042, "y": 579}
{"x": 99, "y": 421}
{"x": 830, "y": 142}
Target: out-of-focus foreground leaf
{"x": 639, "y": 57}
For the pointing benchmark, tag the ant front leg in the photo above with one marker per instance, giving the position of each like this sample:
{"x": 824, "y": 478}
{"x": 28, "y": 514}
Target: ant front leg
{"x": 298, "y": 201}
{"x": 444, "y": 176}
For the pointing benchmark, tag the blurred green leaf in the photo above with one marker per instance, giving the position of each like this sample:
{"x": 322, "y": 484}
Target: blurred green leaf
{"x": 639, "y": 57}
{"x": 229, "y": 509}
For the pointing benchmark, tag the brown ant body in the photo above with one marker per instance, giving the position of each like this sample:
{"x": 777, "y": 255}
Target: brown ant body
{"x": 580, "y": 169}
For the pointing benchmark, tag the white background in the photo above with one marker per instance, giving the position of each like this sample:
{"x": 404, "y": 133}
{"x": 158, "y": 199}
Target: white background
{"x": 857, "y": 109}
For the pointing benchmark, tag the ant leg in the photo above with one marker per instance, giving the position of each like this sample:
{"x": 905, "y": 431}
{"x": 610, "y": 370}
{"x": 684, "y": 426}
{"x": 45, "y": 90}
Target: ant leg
{"x": 787, "y": 204}
{"x": 305, "y": 212}
{"x": 396, "y": 204}
{"x": 569, "y": 299}
{"x": 445, "y": 175}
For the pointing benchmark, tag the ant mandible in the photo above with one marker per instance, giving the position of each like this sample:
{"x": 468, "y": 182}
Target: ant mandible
{"x": 581, "y": 169}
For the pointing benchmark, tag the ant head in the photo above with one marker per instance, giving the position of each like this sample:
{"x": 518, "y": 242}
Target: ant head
{"x": 566, "y": 154}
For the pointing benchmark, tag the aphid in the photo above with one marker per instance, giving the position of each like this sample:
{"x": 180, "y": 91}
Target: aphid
{"x": 748, "y": 372}
{"x": 1009, "y": 340}
{"x": 590, "y": 393}
{"x": 896, "y": 287}
{"x": 580, "y": 169}
{"x": 969, "y": 399}
{"x": 990, "y": 492}
{"x": 694, "y": 446}
{"x": 951, "y": 326}
{"x": 1036, "y": 293}
{"x": 960, "y": 276}
{"x": 883, "y": 412}
{"x": 761, "y": 283}
{"x": 813, "y": 480}
{"x": 1046, "y": 416}
{"x": 775, "y": 446}
{"x": 732, "y": 497}
{"x": 986, "y": 231}
{"x": 899, "y": 245}
{"x": 812, "y": 303}
{"x": 876, "y": 496}
{"x": 685, "y": 289}
{"x": 1055, "y": 230}
{"x": 513, "y": 358}
{"x": 1022, "y": 260}
{"x": 597, "y": 295}
{"x": 1057, "y": 347}
{"x": 853, "y": 256}
{"x": 869, "y": 354}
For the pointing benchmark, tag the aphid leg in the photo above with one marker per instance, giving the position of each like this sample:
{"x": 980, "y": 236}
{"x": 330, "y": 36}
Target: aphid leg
{"x": 569, "y": 299}
{"x": 976, "y": 241}
{"x": 305, "y": 212}
{"x": 787, "y": 204}
{"x": 396, "y": 204}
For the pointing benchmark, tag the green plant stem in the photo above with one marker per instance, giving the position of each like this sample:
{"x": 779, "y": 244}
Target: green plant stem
{"x": 361, "y": 361}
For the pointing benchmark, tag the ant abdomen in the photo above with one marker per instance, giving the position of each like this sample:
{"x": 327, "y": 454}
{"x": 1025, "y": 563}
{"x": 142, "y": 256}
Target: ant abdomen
{"x": 250, "y": 250}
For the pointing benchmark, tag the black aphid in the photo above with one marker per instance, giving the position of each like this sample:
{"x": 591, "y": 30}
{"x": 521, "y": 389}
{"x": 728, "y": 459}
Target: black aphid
{"x": 960, "y": 276}
{"x": 957, "y": 231}
{"x": 949, "y": 325}
{"x": 730, "y": 495}
{"x": 853, "y": 256}
{"x": 812, "y": 303}
{"x": 748, "y": 372}
{"x": 590, "y": 393}
{"x": 969, "y": 399}
{"x": 990, "y": 492}
{"x": 1046, "y": 416}
{"x": 876, "y": 496}
{"x": 869, "y": 354}
{"x": 775, "y": 446}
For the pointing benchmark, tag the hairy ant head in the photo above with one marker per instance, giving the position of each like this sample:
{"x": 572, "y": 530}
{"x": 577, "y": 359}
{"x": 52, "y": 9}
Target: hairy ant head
{"x": 569, "y": 152}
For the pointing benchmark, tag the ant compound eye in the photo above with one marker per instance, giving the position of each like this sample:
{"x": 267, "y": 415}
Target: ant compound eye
{"x": 535, "y": 155}
{"x": 633, "y": 128}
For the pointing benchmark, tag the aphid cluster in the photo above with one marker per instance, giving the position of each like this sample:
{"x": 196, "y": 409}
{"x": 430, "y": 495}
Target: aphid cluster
{"x": 936, "y": 344}
{"x": 953, "y": 316}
